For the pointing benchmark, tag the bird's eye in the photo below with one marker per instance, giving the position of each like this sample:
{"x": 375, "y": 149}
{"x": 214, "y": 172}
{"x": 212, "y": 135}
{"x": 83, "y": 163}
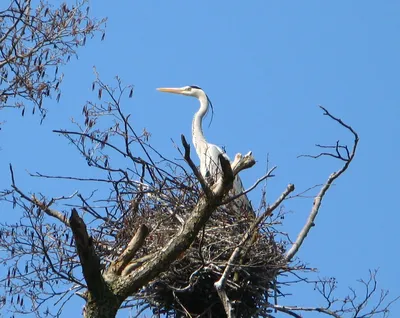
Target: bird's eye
{"x": 188, "y": 89}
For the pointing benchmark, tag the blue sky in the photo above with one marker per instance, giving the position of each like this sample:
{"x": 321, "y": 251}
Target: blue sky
{"x": 266, "y": 65}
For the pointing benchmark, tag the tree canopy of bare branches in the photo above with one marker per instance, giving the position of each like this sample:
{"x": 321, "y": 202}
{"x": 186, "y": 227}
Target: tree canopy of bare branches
{"x": 151, "y": 234}
{"x": 154, "y": 235}
{"x": 35, "y": 41}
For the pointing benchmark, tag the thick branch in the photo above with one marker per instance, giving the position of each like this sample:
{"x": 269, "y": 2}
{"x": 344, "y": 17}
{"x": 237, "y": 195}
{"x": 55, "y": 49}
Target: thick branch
{"x": 182, "y": 240}
{"x": 89, "y": 260}
{"x": 129, "y": 268}
{"x": 51, "y": 212}
{"x": 137, "y": 242}
{"x": 225, "y": 300}
{"x": 241, "y": 163}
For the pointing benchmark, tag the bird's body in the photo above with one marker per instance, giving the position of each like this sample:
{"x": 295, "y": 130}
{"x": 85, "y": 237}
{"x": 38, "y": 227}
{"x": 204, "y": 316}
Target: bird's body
{"x": 210, "y": 166}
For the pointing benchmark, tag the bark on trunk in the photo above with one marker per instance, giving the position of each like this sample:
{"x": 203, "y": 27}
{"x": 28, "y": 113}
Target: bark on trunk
{"x": 101, "y": 301}
{"x": 104, "y": 308}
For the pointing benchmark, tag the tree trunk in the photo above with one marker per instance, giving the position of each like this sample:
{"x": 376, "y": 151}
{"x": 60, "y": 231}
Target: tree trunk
{"x": 104, "y": 308}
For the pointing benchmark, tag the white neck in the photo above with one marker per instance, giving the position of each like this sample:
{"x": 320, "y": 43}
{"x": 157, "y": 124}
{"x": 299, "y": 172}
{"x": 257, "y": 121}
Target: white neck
{"x": 199, "y": 141}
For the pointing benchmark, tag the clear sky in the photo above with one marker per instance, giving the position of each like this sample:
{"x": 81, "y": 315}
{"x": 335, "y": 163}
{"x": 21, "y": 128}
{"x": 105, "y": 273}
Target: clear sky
{"x": 266, "y": 65}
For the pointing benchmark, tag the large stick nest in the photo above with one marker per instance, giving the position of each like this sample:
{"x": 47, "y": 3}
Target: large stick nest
{"x": 187, "y": 289}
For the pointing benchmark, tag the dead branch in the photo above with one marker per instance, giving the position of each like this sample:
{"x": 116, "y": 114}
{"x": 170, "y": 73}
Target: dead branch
{"x": 153, "y": 237}
{"x": 356, "y": 304}
{"x": 137, "y": 242}
{"x": 241, "y": 162}
{"x": 181, "y": 241}
{"x": 320, "y": 196}
{"x": 220, "y": 284}
{"x": 89, "y": 260}
{"x": 290, "y": 310}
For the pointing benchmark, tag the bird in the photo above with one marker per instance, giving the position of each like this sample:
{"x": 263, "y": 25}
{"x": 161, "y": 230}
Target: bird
{"x": 208, "y": 153}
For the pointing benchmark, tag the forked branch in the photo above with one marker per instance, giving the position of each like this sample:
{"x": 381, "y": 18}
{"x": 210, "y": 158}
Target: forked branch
{"x": 318, "y": 199}
{"x": 182, "y": 240}
{"x": 127, "y": 255}
{"x": 355, "y": 304}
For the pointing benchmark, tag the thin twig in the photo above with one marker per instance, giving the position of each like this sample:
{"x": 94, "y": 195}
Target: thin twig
{"x": 318, "y": 199}
{"x": 287, "y": 309}
{"x": 268, "y": 175}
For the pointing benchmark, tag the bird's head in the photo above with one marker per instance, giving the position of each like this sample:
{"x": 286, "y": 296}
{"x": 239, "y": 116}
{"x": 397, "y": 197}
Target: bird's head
{"x": 193, "y": 91}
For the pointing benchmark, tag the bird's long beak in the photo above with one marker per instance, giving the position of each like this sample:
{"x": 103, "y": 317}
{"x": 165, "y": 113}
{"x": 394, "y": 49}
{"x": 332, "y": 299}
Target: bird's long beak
{"x": 170, "y": 90}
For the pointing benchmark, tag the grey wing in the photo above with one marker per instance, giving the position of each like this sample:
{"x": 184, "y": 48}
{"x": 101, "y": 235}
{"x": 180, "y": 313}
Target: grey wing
{"x": 211, "y": 167}
{"x": 243, "y": 200}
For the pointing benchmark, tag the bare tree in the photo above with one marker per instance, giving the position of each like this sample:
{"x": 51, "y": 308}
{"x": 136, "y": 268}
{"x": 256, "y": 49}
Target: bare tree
{"x": 154, "y": 235}
{"x": 35, "y": 41}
